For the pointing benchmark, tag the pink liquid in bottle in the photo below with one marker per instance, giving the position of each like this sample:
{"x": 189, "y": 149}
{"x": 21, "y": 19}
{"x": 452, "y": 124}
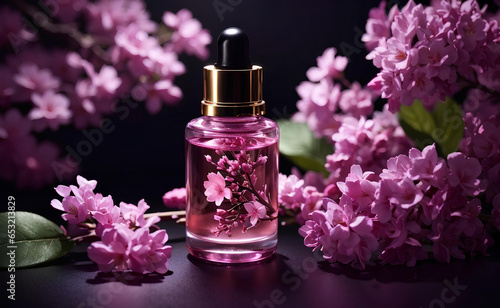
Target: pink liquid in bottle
{"x": 216, "y": 137}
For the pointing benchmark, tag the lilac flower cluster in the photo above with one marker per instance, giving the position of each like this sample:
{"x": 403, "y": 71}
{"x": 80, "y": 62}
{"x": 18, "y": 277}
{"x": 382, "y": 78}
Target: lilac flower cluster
{"x": 481, "y": 141}
{"x": 126, "y": 241}
{"x": 122, "y": 53}
{"x": 300, "y": 196}
{"x": 420, "y": 200}
{"x": 346, "y": 119}
{"x": 366, "y": 142}
{"x": 175, "y": 199}
{"x": 430, "y": 53}
{"x": 321, "y": 98}
{"x": 246, "y": 205}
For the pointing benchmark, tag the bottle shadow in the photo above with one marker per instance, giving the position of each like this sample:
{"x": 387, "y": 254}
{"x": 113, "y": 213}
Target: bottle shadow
{"x": 425, "y": 271}
{"x": 128, "y": 278}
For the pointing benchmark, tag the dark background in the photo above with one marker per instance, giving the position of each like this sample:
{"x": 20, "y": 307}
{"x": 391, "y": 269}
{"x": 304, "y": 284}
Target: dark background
{"x": 143, "y": 157}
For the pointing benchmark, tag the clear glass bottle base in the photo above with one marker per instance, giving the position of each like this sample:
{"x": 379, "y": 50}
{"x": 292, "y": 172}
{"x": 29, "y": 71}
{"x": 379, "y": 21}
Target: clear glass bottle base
{"x": 229, "y": 251}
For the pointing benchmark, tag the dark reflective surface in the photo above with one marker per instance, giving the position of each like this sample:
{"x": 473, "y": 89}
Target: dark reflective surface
{"x": 294, "y": 277}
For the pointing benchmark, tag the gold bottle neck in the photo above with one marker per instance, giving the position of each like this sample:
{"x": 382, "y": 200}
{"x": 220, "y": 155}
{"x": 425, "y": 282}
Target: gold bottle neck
{"x": 232, "y": 93}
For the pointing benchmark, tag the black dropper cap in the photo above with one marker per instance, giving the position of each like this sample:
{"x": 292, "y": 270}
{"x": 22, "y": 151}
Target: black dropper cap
{"x": 232, "y": 50}
{"x": 232, "y": 87}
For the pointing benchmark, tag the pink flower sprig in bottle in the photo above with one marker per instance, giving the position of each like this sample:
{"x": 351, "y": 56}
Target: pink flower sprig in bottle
{"x": 232, "y": 162}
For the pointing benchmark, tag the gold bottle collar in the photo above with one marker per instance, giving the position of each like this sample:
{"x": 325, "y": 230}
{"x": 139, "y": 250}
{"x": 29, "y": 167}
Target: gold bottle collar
{"x": 230, "y": 93}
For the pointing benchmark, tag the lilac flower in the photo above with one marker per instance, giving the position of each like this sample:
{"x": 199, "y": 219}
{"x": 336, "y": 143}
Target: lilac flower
{"x": 51, "y": 110}
{"x": 133, "y": 216}
{"x": 329, "y": 65}
{"x": 471, "y": 29}
{"x": 366, "y": 142}
{"x": 76, "y": 212}
{"x": 465, "y": 172}
{"x": 313, "y": 200}
{"x": 248, "y": 201}
{"x": 215, "y": 188}
{"x": 290, "y": 191}
{"x": 427, "y": 166}
{"x": 107, "y": 216}
{"x": 106, "y": 80}
{"x": 437, "y": 57}
{"x": 358, "y": 187}
{"x": 356, "y": 101}
{"x": 378, "y": 25}
{"x": 395, "y": 56}
{"x": 430, "y": 53}
{"x": 255, "y": 211}
{"x": 342, "y": 235}
{"x": 122, "y": 249}
{"x": 175, "y": 199}
{"x": 106, "y": 17}
{"x": 163, "y": 91}
{"x": 317, "y": 106}
{"x": 84, "y": 205}
{"x": 188, "y": 36}
{"x": 79, "y": 206}
{"x": 133, "y": 43}
{"x": 33, "y": 79}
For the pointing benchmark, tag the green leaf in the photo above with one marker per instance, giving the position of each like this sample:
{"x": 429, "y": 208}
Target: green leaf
{"x": 37, "y": 240}
{"x": 299, "y": 144}
{"x": 444, "y": 126}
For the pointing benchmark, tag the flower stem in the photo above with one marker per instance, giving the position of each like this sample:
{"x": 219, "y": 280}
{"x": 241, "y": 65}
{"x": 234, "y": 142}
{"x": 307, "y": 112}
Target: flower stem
{"x": 165, "y": 216}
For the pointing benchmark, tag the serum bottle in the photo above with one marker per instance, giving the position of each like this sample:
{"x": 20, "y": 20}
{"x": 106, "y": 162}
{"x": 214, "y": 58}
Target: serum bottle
{"x": 232, "y": 162}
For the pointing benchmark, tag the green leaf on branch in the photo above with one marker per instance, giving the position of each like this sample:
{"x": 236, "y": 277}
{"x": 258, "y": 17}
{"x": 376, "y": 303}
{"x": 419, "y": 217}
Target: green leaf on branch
{"x": 299, "y": 144}
{"x": 37, "y": 240}
{"x": 444, "y": 126}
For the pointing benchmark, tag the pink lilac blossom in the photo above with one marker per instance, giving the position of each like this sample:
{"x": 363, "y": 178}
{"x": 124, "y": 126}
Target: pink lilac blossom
{"x": 465, "y": 172}
{"x": 32, "y": 79}
{"x": 188, "y": 36}
{"x": 105, "y": 17}
{"x": 378, "y": 25}
{"x": 329, "y": 66}
{"x": 299, "y": 195}
{"x": 342, "y": 234}
{"x": 431, "y": 52}
{"x": 123, "y": 249}
{"x": 366, "y": 142}
{"x": 175, "y": 199}
{"x": 51, "y": 110}
{"x": 410, "y": 207}
{"x": 247, "y": 205}
{"x": 116, "y": 53}
{"x": 215, "y": 188}
{"x": 356, "y": 101}
{"x": 157, "y": 94}
{"x": 126, "y": 242}
{"x": 481, "y": 147}
{"x": 255, "y": 212}
{"x": 290, "y": 191}
{"x": 133, "y": 216}
{"x": 317, "y": 107}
